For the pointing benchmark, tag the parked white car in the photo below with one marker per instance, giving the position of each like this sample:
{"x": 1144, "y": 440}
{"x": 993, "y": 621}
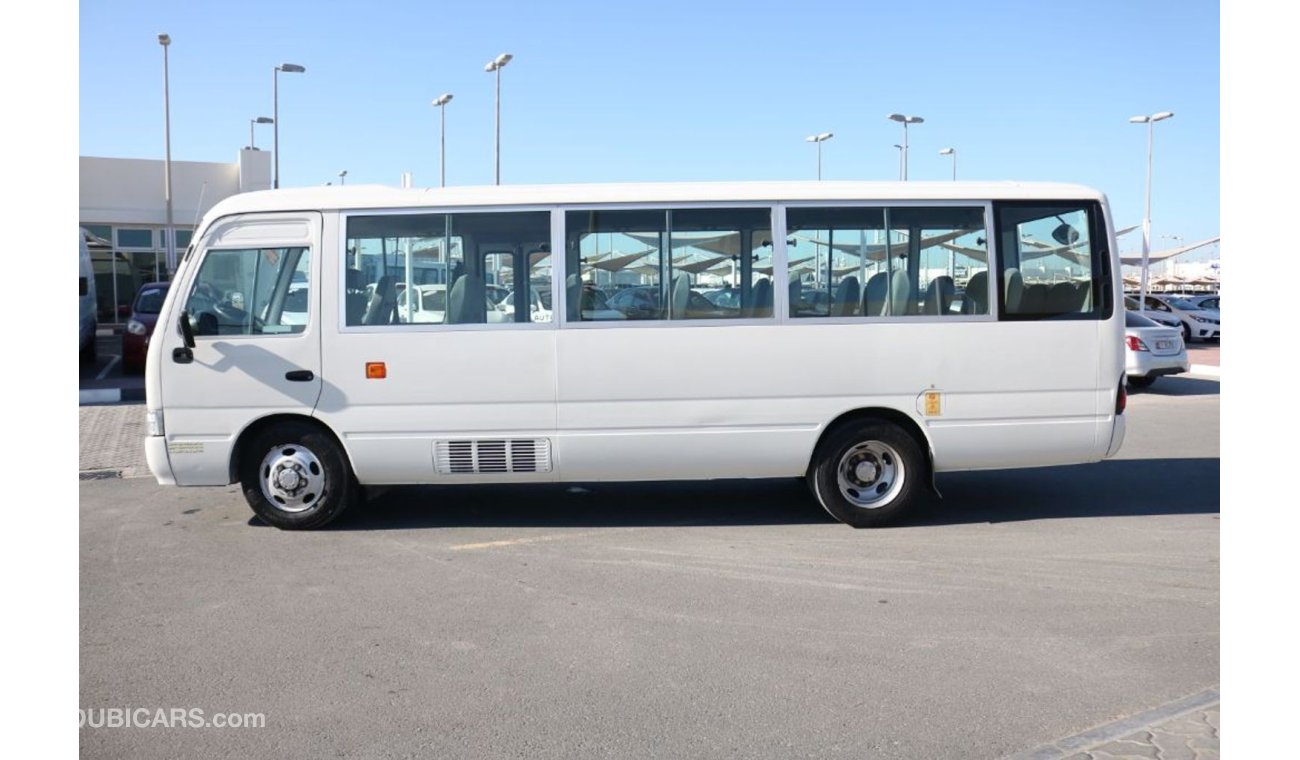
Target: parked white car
{"x": 540, "y": 312}
{"x": 1152, "y": 350}
{"x": 429, "y": 307}
{"x": 1202, "y": 324}
{"x": 1210, "y": 301}
{"x": 1159, "y": 317}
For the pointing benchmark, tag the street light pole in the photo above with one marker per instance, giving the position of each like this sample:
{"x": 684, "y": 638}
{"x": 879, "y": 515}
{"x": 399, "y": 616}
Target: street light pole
{"x": 951, "y": 152}
{"x": 1146, "y": 220}
{"x": 441, "y": 103}
{"x": 288, "y": 68}
{"x": 169, "y": 244}
{"x": 343, "y": 177}
{"x": 819, "y": 139}
{"x": 900, "y": 161}
{"x": 252, "y": 143}
{"x": 1169, "y": 262}
{"x": 496, "y": 64}
{"x": 905, "y": 120}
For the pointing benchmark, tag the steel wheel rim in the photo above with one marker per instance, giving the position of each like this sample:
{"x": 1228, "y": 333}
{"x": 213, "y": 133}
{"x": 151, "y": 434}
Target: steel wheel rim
{"x": 870, "y": 474}
{"x": 292, "y": 478}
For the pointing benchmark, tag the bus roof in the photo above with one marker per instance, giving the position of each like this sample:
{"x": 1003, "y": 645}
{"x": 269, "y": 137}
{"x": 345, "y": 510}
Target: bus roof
{"x": 385, "y": 197}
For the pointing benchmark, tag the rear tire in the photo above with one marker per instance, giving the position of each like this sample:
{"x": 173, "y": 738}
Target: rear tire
{"x": 1141, "y": 382}
{"x": 88, "y": 352}
{"x": 867, "y": 473}
{"x": 296, "y": 477}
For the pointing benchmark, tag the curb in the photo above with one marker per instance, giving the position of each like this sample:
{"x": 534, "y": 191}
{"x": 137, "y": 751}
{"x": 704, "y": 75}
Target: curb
{"x": 95, "y": 396}
{"x": 1099, "y": 735}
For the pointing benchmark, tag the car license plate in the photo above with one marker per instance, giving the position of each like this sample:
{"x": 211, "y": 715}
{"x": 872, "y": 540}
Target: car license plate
{"x": 1164, "y": 344}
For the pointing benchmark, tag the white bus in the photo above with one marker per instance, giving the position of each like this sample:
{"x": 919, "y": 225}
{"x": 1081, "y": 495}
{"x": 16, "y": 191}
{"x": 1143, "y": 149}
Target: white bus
{"x": 874, "y": 334}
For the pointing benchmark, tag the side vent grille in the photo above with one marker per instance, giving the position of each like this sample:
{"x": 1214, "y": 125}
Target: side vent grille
{"x": 492, "y": 456}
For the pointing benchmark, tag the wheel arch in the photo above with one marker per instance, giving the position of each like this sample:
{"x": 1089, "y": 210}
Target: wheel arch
{"x": 254, "y": 428}
{"x": 885, "y": 414}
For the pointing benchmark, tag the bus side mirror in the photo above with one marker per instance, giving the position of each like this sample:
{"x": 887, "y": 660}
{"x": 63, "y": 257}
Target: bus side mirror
{"x": 187, "y": 332}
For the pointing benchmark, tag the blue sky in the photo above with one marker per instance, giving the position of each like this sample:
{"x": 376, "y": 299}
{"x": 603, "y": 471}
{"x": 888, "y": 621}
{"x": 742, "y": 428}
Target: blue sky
{"x": 702, "y": 90}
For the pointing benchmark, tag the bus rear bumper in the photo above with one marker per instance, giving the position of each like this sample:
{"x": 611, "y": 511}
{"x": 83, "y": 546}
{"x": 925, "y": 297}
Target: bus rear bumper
{"x": 1116, "y": 436}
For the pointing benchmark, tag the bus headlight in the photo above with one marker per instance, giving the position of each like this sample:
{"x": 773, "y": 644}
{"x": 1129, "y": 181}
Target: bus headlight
{"x": 154, "y": 421}
{"x": 136, "y": 327}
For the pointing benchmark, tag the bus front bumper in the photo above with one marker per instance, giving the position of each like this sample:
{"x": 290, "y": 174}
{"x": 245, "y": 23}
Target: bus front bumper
{"x": 155, "y": 453}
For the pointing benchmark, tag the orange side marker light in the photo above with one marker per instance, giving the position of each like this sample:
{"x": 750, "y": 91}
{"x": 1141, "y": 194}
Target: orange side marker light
{"x": 376, "y": 371}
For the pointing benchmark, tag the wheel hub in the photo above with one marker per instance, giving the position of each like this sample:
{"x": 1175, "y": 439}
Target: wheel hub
{"x": 288, "y": 479}
{"x": 292, "y": 477}
{"x": 865, "y": 472}
{"x": 870, "y": 474}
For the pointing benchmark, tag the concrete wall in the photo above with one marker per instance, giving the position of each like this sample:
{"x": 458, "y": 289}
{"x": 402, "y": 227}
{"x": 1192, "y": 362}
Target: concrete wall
{"x": 126, "y": 191}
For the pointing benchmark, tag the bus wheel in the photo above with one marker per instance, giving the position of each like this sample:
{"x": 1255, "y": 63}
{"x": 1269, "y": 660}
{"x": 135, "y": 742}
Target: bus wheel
{"x": 296, "y": 477}
{"x": 867, "y": 473}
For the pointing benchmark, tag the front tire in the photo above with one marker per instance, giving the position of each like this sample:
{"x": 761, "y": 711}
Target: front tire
{"x": 296, "y": 477}
{"x": 1187, "y": 334}
{"x": 867, "y": 473}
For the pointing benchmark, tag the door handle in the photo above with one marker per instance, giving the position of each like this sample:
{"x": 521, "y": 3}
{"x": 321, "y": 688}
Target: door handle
{"x": 299, "y": 375}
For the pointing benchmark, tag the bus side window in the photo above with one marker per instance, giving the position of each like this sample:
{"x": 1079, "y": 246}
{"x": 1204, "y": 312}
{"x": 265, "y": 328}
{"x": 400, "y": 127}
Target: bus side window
{"x": 1052, "y": 263}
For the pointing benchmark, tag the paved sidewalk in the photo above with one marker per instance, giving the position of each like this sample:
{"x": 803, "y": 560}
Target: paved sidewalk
{"x": 112, "y": 441}
{"x": 1185, "y": 729}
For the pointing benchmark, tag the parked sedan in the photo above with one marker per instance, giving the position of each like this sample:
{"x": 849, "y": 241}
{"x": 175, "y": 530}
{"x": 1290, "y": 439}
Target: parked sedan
{"x": 1152, "y": 350}
{"x": 1210, "y": 301}
{"x": 1168, "y": 319}
{"x": 139, "y": 328}
{"x": 1202, "y": 324}
{"x": 642, "y": 302}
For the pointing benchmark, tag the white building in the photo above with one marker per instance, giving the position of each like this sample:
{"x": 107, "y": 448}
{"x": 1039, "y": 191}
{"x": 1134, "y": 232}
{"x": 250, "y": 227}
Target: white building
{"x": 123, "y": 204}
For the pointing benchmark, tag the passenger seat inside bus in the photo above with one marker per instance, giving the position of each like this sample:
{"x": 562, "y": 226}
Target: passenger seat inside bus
{"x": 875, "y": 294}
{"x": 681, "y": 297}
{"x": 762, "y": 299}
{"x": 355, "y": 297}
{"x": 938, "y": 297}
{"x": 465, "y": 304}
{"x": 383, "y": 304}
{"x": 1061, "y": 298}
{"x": 1013, "y": 289}
{"x": 846, "y": 298}
{"x": 975, "y": 299}
{"x": 1033, "y": 299}
{"x": 900, "y": 294}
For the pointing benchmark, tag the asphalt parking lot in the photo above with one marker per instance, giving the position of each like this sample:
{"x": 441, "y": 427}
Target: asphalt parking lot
{"x": 671, "y": 620}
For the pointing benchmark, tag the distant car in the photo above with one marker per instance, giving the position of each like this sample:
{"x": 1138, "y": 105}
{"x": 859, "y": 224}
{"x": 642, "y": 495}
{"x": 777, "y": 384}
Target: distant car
{"x": 1202, "y": 324}
{"x": 1151, "y": 350}
{"x": 723, "y": 298}
{"x": 642, "y": 302}
{"x": 1210, "y": 301}
{"x": 1159, "y": 317}
{"x": 540, "y": 310}
{"x": 430, "y": 305}
{"x": 595, "y": 305}
{"x": 139, "y": 327}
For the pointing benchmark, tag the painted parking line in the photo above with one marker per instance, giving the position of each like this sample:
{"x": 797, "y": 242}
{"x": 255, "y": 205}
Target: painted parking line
{"x": 107, "y": 367}
{"x": 539, "y": 539}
